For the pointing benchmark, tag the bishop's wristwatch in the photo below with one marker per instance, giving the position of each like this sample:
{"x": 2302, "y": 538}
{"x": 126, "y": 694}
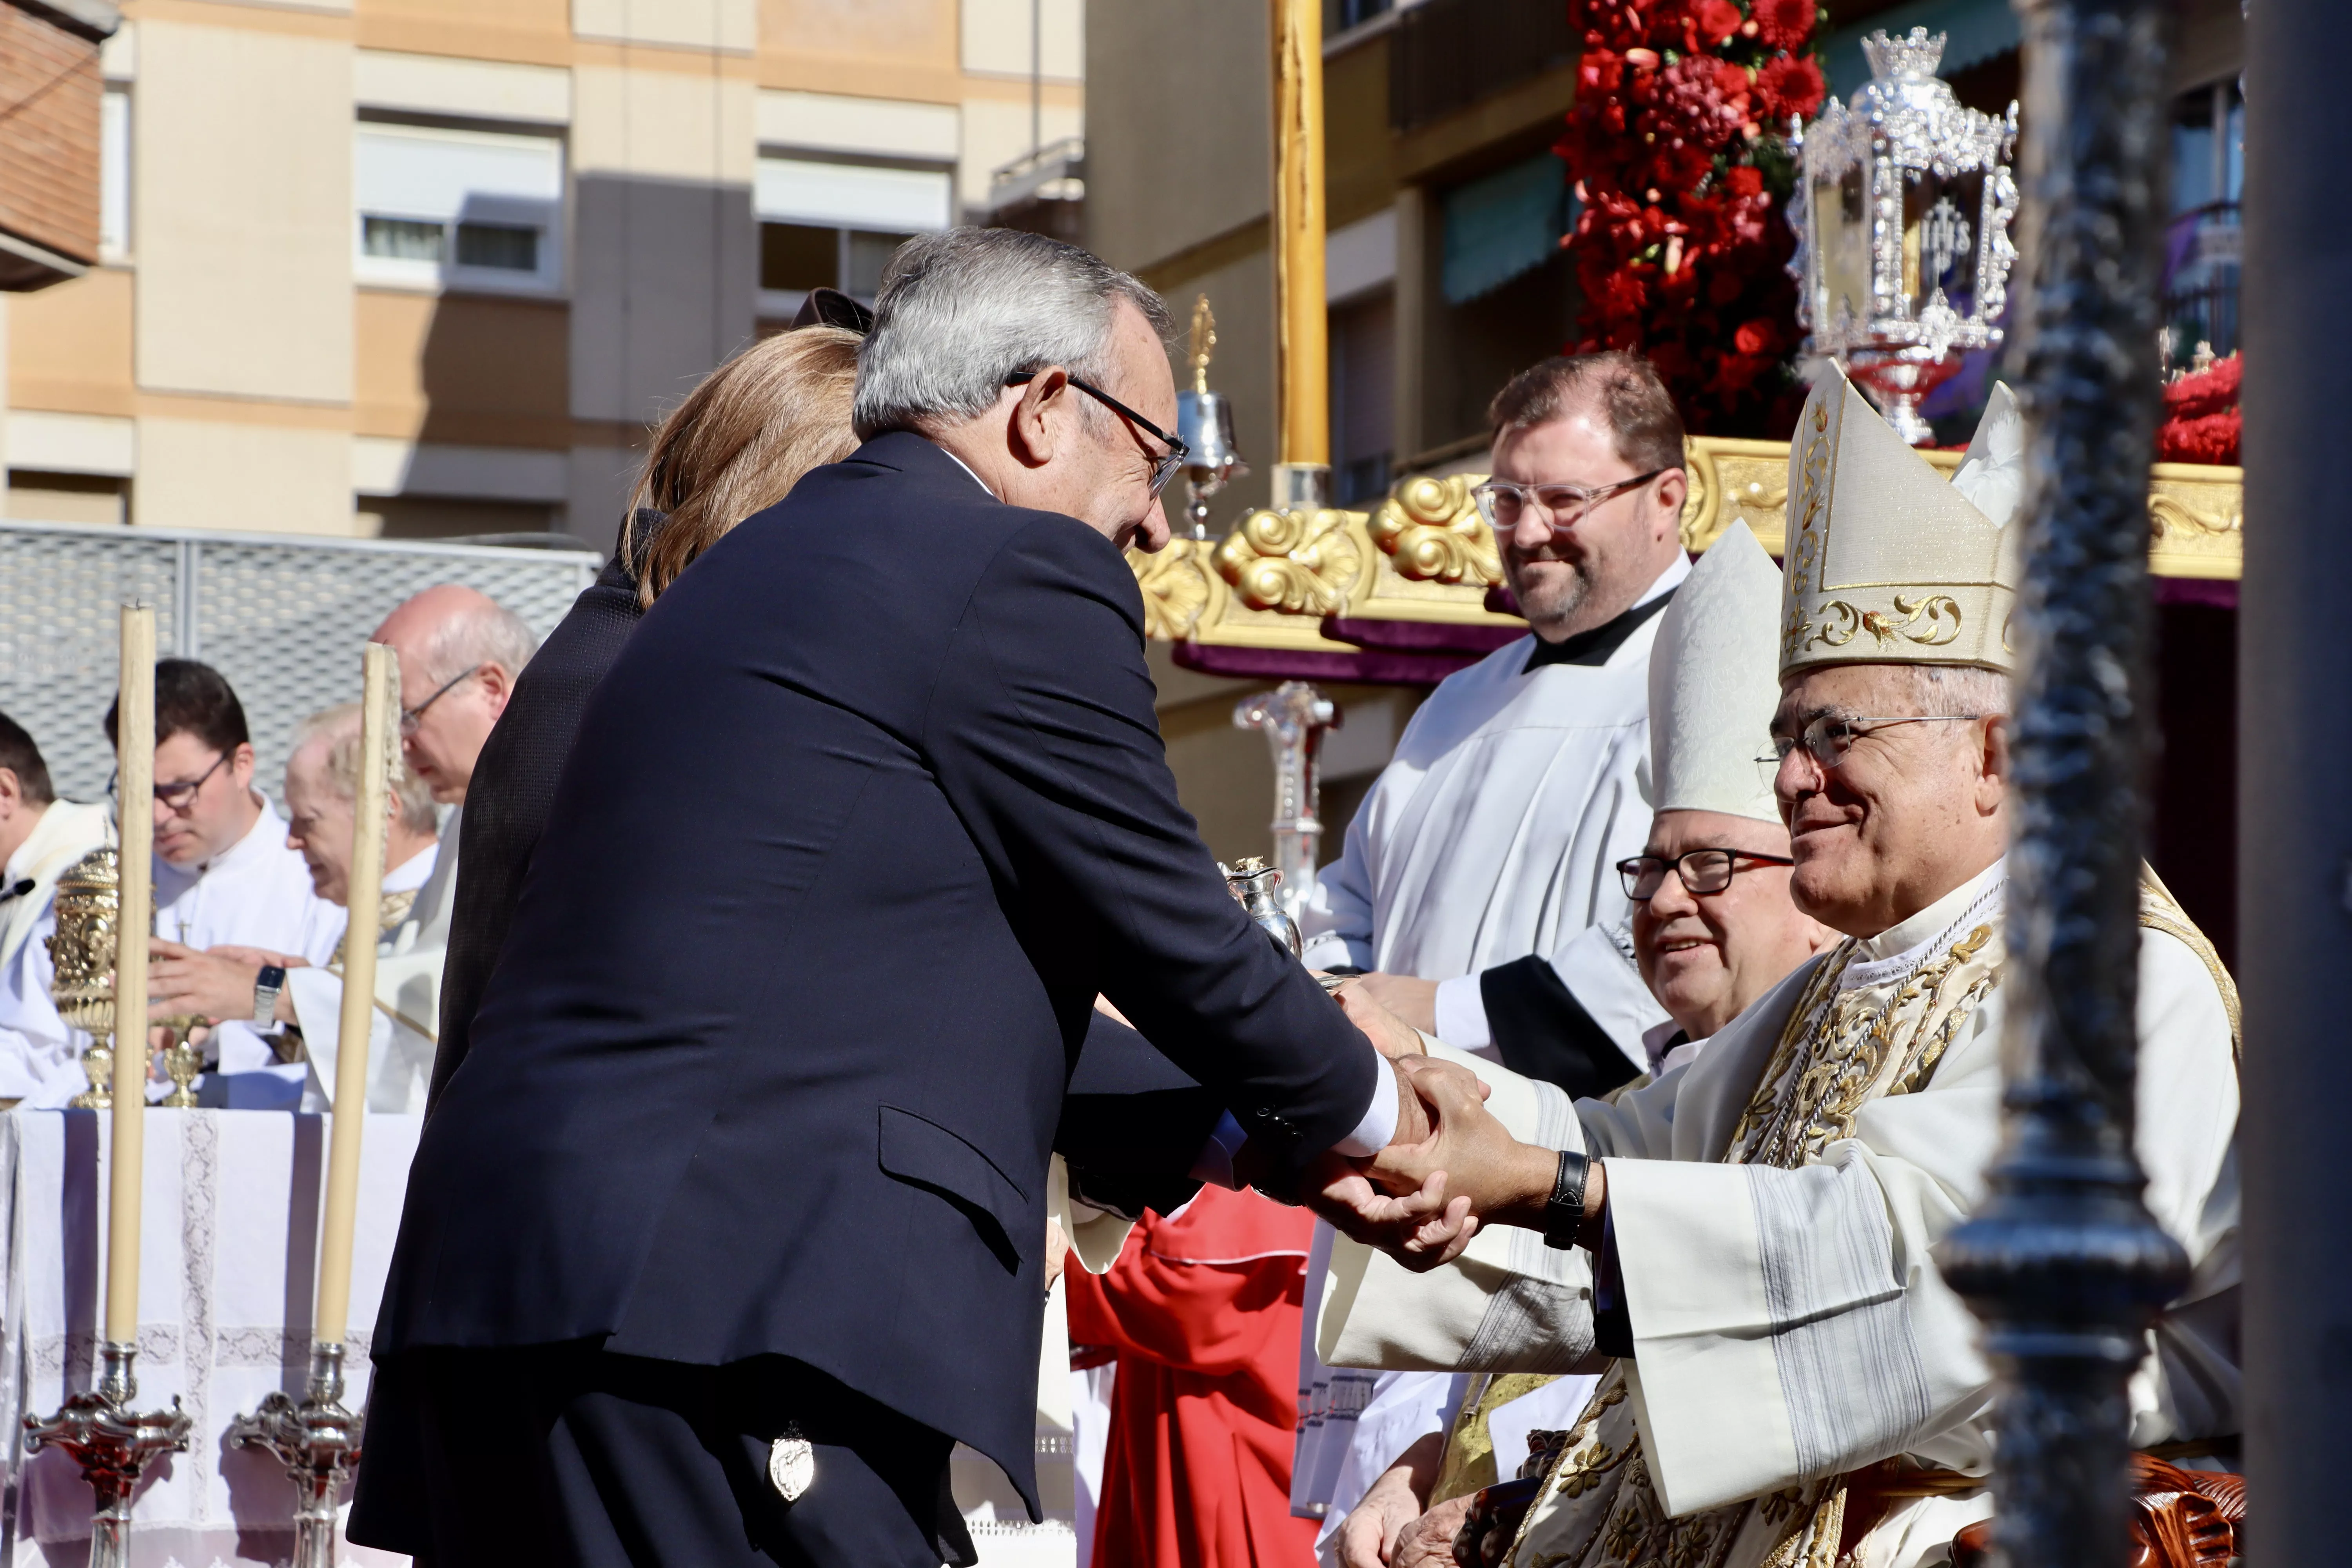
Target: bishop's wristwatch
{"x": 266, "y": 987}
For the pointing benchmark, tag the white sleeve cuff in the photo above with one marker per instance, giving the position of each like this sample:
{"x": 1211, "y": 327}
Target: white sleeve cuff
{"x": 1377, "y": 1130}
{"x": 1462, "y": 1014}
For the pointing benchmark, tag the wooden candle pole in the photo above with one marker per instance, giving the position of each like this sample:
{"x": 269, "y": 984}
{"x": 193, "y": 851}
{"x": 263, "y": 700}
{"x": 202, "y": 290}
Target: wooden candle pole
{"x": 1302, "y": 477}
{"x": 379, "y": 719}
{"x": 135, "y": 762}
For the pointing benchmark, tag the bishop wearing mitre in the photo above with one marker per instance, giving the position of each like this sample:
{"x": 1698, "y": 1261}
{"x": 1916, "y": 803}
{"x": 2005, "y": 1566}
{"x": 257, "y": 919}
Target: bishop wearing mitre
{"x": 1788, "y": 1378}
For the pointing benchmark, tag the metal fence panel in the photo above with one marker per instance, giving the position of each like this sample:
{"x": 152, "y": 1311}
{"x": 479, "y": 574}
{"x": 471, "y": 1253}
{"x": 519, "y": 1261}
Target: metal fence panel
{"x": 283, "y": 618}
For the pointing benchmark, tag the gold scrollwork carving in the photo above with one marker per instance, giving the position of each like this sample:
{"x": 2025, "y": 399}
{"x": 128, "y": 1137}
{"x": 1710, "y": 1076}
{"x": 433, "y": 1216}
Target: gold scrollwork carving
{"x": 1433, "y": 529}
{"x": 1175, "y": 585}
{"x": 2166, "y": 514}
{"x": 1299, "y": 563}
{"x": 1941, "y": 614}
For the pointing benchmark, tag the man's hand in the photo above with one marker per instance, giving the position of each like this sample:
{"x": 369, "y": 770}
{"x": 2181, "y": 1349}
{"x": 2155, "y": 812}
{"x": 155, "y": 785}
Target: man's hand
{"x": 1419, "y": 1228}
{"x": 1367, "y": 1536}
{"x": 1505, "y": 1181}
{"x": 183, "y": 983}
{"x": 1414, "y": 1001}
{"x": 1391, "y": 1036}
{"x": 1428, "y": 1541}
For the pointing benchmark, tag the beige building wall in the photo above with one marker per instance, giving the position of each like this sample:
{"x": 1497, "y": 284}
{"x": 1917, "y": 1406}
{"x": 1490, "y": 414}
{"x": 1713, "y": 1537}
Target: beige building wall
{"x": 239, "y": 362}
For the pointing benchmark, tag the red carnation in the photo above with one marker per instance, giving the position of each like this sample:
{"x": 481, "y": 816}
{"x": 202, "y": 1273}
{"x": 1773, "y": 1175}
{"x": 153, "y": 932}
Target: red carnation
{"x": 1716, "y": 20}
{"x": 1782, "y": 25}
{"x": 1789, "y": 86}
{"x": 1759, "y": 337}
{"x": 1745, "y": 181}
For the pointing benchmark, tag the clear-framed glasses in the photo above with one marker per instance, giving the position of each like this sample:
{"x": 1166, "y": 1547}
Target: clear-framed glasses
{"x": 1702, "y": 871}
{"x": 1163, "y": 465}
{"x": 1829, "y": 738}
{"x": 1503, "y": 502}
{"x": 410, "y": 718}
{"x": 175, "y": 796}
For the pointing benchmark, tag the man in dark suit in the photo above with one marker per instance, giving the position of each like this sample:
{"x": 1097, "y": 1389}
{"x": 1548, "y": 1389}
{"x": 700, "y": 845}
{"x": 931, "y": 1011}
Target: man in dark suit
{"x": 745, "y": 1166}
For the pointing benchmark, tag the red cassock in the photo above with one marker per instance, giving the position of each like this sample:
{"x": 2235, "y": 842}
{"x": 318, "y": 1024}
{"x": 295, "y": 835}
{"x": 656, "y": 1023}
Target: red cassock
{"x": 1203, "y": 1311}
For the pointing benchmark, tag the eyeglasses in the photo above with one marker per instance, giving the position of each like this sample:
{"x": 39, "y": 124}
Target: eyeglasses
{"x": 176, "y": 796}
{"x": 1164, "y": 466}
{"x": 1829, "y": 738}
{"x": 1701, "y": 870}
{"x": 410, "y": 718}
{"x": 1502, "y": 503}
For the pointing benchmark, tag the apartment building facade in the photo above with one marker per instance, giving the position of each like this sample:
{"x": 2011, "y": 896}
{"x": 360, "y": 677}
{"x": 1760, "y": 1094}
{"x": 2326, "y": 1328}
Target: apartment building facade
{"x": 432, "y": 268}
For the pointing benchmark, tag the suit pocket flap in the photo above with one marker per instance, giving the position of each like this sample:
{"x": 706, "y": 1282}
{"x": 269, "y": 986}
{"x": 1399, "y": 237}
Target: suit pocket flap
{"x": 915, "y": 1149}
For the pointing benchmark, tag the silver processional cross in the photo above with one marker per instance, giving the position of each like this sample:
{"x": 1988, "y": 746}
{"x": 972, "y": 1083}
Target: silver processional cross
{"x": 1294, "y": 716}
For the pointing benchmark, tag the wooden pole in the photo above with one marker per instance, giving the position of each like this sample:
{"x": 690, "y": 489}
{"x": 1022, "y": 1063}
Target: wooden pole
{"x": 1301, "y": 323}
{"x": 378, "y": 716}
{"x": 134, "y": 731}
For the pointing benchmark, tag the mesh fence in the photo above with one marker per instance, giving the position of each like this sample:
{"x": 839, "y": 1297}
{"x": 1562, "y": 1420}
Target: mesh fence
{"x": 283, "y": 619}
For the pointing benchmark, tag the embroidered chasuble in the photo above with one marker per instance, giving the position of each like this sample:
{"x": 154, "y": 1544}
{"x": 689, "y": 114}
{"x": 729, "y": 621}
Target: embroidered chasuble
{"x": 1774, "y": 1205}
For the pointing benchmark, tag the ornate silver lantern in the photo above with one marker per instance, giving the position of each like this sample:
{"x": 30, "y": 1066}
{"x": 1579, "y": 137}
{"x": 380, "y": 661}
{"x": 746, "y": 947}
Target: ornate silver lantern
{"x": 1204, "y": 422}
{"x": 1902, "y": 214}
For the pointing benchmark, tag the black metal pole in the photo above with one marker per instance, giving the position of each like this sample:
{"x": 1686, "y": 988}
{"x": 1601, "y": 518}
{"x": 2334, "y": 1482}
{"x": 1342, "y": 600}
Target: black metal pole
{"x": 2295, "y": 772}
{"x": 2064, "y": 1263}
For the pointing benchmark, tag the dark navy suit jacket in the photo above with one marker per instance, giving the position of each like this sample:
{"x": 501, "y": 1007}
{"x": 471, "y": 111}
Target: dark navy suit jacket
{"x": 870, "y": 806}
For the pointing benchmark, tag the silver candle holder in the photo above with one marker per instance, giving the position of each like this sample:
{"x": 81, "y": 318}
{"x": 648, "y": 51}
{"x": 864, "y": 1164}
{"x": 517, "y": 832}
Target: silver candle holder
{"x": 113, "y": 1444}
{"x": 317, "y": 1441}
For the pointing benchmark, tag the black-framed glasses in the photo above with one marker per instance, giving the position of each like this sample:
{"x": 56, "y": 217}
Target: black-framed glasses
{"x": 1829, "y": 738}
{"x": 1702, "y": 870}
{"x": 175, "y": 796}
{"x": 1503, "y": 502}
{"x": 410, "y": 718}
{"x": 1164, "y": 466}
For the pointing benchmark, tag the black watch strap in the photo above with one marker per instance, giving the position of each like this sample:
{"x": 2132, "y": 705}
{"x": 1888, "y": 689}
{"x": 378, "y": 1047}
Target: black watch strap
{"x": 1564, "y": 1216}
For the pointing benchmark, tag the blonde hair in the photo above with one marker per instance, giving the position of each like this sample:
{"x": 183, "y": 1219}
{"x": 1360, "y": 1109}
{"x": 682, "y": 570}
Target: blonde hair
{"x": 739, "y": 442}
{"x": 340, "y": 727}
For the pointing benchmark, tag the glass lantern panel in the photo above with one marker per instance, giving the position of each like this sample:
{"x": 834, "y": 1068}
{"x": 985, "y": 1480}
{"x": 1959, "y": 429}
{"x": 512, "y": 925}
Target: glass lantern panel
{"x": 1841, "y": 222}
{"x": 1941, "y": 226}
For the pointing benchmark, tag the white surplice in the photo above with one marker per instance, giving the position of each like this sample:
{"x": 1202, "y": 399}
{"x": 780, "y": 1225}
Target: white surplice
{"x": 255, "y": 893}
{"x": 406, "y": 1021}
{"x": 1790, "y": 1325}
{"x": 37, "y": 1046}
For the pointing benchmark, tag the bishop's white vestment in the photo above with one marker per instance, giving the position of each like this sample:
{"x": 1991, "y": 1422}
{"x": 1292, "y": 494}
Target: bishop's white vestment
{"x": 407, "y": 1015}
{"x": 1774, "y": 1205}
{"x": 37, "y": 1046}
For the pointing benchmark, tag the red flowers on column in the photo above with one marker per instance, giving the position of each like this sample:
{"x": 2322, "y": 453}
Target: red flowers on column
{"x": 1678, "y": 144}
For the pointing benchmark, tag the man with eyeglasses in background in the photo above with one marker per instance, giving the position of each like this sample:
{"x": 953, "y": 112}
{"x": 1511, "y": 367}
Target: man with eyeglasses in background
{"x": 1477, "y": 882}
{"x": 226, "y": 878}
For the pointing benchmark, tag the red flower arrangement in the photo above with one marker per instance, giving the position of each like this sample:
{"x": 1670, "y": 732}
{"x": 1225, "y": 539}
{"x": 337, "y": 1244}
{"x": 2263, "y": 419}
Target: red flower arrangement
{"x": 2202, "y": 422}
{"x": 1677, "y": 145}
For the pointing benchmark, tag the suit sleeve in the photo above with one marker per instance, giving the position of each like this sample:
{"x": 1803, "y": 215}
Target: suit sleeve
{"x": 1042, "y": 733}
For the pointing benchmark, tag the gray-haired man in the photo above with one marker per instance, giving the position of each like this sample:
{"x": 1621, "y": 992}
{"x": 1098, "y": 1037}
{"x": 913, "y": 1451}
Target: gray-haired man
{"x": 730, "y": 1222}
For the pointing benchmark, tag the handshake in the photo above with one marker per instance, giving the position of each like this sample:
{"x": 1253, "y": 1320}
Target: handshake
{"x": 1451, "y": 1168}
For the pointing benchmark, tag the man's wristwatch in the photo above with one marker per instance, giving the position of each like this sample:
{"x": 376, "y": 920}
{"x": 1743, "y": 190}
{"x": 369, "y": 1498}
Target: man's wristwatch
{"x": 1564, "y": 1215}
{"x": 272, "y": 980}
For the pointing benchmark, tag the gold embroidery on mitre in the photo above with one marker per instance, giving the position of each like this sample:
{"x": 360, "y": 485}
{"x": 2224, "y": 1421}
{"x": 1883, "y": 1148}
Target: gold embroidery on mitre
{"x": 1887, "y": 562}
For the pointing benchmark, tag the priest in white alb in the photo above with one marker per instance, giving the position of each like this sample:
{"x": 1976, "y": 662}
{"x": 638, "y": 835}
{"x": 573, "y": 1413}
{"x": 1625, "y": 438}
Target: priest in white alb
{"x": 1788, "y": 1379}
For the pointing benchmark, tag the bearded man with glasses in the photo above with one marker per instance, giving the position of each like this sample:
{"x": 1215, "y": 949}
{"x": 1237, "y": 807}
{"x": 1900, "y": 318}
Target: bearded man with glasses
{"x": 1749, "y": 1245}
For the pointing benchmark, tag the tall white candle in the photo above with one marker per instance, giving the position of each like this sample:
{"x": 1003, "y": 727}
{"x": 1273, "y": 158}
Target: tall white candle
{"x": 134, "y": 729}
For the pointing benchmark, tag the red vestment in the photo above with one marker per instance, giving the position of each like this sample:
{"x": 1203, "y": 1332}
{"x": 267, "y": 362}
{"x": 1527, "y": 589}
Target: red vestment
{"x": 1202, "y": 1310}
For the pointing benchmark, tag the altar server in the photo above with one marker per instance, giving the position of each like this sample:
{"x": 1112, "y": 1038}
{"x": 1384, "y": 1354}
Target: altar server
{"x": 226, "y": 878}
{"x": 1713, "y": 929}
{"x": 1795, "y": 1383}
{"x": 1478, "y": 878}
{"x": 40, "y": 836}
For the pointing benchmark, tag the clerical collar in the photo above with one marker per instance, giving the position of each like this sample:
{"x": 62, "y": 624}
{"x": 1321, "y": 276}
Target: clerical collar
{"x": 1595, "y": 646}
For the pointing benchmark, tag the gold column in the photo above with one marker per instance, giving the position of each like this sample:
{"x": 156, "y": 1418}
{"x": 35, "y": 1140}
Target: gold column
{"x": 1302, "y": 366}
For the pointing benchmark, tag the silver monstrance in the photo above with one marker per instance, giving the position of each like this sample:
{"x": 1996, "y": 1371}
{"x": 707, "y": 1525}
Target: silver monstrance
{"x": 1902, "y": 217}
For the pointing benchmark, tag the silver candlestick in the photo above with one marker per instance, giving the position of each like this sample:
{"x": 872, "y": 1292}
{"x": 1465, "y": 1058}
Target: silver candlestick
{"x": 317, "y": 1441}
{"x": 113, "y": 1446}
{"x": 1294, "y": 716}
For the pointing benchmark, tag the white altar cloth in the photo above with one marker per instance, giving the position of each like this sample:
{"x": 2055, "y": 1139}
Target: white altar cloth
{"x": 228, "y": 1250}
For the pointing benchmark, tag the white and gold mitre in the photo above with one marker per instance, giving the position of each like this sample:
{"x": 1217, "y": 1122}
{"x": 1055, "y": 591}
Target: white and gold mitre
{"x": 1711, "y": 690}
{"x": 1887, "y": 563}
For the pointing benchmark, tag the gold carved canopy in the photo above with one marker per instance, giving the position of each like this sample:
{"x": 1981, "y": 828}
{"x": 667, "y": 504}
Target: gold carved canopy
{"x": 1424, "y": 555}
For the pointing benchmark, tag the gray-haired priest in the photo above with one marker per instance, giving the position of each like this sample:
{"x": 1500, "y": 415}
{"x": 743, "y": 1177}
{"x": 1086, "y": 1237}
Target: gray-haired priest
{"x": 1793, "y": 1380}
